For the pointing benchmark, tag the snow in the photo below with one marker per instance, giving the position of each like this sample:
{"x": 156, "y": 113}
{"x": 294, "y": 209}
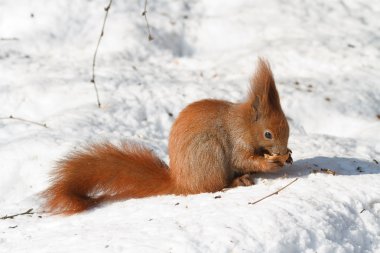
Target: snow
{"x": 325, "y": 56}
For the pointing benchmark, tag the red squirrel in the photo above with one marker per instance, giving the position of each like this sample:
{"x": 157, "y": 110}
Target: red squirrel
{"x": 213, "y": 144}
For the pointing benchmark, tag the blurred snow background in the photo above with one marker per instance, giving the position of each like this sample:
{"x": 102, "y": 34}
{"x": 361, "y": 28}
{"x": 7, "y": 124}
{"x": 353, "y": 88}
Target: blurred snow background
{"x": 326, "y": 59}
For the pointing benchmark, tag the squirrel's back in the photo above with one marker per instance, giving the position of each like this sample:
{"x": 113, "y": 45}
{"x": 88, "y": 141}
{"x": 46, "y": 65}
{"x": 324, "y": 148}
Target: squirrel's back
{"x": 199, "y": 147}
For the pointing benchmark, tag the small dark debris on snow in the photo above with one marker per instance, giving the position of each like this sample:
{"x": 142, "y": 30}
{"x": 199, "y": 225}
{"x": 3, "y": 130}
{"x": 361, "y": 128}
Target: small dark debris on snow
{"x": 359, "y": 169}
{"x": 310, "y": 86}
{"x": 378, "y": 116}
{"x": 170, "y": 114}
{"x": 362, "y": 210}
{"x": 176, "y": 204}
{"x": 351, "y": 45}
{"x": 296, "y": 83}
{"x": 327, "y": 99}
{"x": 106, "y": 246}
{"x": 217, "y": 197}
{"x": 375, "y": 161}
{"x": 326, "y": 171}
{"x": 134, "y": 67}
{"x": 13, "y": 226}
{"x": 150, "y": 219}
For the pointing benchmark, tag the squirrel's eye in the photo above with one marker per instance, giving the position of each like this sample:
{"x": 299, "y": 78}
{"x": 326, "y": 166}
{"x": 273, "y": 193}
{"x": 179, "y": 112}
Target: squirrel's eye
{"x": 268, "y": 135}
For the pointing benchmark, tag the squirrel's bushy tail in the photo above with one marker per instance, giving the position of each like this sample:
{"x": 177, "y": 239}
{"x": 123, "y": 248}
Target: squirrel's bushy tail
{"x": 105, "y": 173}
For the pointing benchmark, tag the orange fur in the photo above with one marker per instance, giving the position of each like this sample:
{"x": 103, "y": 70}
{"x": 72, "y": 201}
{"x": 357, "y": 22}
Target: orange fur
{"x": 213, "y": 144}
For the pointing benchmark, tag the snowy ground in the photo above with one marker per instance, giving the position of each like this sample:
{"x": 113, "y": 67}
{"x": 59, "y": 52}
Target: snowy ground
{"x": 326, "y": 59}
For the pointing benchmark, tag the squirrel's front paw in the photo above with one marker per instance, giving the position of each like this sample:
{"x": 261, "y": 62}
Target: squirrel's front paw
{"x": 270, "y": 165}
{"x": 275, "y": 162}
{"x": 273, "y": 165}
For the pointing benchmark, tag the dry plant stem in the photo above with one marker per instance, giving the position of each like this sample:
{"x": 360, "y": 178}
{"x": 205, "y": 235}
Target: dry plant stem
{"x": 150, "y": 37}
{"x": 274, "y": 193}
{"x": 14, "y": 215}
{"x": 107, "y": 8}
{"x": 8, "y": 39}
{"x": 25, "y": 120}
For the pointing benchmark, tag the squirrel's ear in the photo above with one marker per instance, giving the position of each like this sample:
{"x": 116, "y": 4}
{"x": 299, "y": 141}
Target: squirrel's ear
{"x": 255, "y": 104}
{"x": 263, "y": 95}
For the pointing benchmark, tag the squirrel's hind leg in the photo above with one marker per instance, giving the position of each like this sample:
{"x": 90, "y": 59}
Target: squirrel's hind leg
{"x": 243, "y": 180}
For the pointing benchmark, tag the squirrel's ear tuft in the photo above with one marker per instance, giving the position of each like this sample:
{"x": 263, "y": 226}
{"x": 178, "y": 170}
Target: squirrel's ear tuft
{"x": 263, "y": 95}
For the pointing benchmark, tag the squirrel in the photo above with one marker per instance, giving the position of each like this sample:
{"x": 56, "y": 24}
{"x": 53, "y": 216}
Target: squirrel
{"x": 213, "y": 144}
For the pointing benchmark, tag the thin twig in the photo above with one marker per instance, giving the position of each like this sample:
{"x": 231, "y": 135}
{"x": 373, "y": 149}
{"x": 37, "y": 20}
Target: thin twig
{"x": 107, "y": 8}
{"x": 25, "y": 120}
{"x": 150, "y": 37}
{"x": 9, "y": 39}
{"x": 274, "y": 193}
{"x": 14, "y": 215}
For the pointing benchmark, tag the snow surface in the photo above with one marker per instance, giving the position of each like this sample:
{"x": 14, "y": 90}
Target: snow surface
{"x": 326, "y": 59}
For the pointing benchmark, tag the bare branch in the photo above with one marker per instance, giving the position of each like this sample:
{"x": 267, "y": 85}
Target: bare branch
{"x": 150, "y": 37}
{"x": 14, "y": 215}
{"x": 25, "y": 120}
{"x": 9, "y": 39}
{"x": 274, "y": 193}
{"x": 107, "y": 8}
